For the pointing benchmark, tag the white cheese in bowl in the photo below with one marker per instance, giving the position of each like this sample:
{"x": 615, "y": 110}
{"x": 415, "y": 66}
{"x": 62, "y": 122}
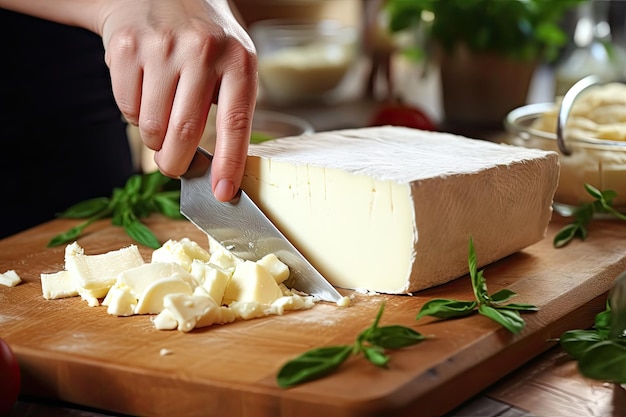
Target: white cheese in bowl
{"x": 392, "y": 209}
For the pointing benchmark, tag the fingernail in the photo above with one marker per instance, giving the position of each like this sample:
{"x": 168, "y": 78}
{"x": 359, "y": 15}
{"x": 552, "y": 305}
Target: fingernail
{"x": 224, "y": 190}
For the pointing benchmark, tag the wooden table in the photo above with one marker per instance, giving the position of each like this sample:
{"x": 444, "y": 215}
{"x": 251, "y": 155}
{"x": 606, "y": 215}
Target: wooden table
{"x": 79, "y": 354}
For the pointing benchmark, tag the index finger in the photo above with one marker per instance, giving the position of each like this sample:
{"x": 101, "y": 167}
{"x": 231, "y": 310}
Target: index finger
{"x": 236, "y": 103}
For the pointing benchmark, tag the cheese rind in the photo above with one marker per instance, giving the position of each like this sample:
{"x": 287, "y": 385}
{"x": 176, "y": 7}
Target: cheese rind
{"x": 392, "y": 209}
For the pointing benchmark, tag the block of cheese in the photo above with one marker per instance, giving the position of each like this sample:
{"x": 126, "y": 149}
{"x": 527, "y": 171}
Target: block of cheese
{"x": 391, "y": 209}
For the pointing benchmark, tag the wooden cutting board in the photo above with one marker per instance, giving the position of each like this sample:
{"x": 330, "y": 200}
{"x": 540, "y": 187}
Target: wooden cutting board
{"x": 81, "y": 354}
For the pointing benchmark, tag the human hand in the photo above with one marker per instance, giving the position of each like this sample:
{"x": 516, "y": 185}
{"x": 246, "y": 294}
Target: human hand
{"x": 169, "y": 61}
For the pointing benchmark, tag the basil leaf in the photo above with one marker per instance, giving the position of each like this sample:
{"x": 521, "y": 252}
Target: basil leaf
{"x": 583, "y": 215}
{"x": 86, "y": 208}
{"x": 312, "y": 365}
{"x": 602, "y": 322}
{"x": 133, "y": 184}
{"x": 168, "y": 207}
{"x": 142, "y": 234}
{"x": 566, "y": 235}
{"x": 153, "y": 182}
{"x": 518, "y": 307}
{"x": 445, "y": 309}
{"x": 509, "y": 319}
{"x": 69, "y": 235}
{"x": 576, "y": 342}
{"x": 140, "y": 196}
{"x": 394, "y": 337}
{"x": 479, "y": 285}
{"x": 604, "y": 361}
{"x": 502, "y": 296}
{"x": 593, "y": 191}
{"x": 375, "y": 355}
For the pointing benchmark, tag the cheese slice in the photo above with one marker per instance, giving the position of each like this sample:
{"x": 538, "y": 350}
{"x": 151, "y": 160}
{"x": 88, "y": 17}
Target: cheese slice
{"x": 57, "y": 285}
{"x": 391, "y": 209}
{"x": 93, "y": 275}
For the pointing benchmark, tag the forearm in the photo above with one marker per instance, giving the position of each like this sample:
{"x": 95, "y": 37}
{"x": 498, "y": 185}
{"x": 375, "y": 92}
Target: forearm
{"x": 80, "y": 13}
{"x": 87, "y": 14}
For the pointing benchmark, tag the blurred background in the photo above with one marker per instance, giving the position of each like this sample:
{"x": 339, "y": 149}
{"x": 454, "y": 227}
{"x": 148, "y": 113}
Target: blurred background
{"x": 457, "y": 65}
{"x": 343, "y": 71}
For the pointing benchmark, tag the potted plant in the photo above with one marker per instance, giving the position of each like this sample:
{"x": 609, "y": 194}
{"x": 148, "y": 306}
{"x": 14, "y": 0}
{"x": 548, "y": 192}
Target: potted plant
{"x": 487, "y": 50}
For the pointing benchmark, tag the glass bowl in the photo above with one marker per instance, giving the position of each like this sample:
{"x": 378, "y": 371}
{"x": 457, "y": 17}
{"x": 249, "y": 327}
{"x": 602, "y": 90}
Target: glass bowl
{"x": 598, "y": 162}
{"x": 303, "y": 60}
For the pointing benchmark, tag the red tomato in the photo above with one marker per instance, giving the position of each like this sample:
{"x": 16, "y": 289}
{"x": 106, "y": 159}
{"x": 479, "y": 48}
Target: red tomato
{"x": 398, "y": 114}
{"x": 9, "y": 378}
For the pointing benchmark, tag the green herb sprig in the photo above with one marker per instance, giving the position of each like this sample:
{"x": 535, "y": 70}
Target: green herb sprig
{"x": 599, "y": 355}
{"x": 583, "y": 215}
{"x": 371, "y": 342}
{"x": 142, "y": 195}
{"x": 492, "y": 306}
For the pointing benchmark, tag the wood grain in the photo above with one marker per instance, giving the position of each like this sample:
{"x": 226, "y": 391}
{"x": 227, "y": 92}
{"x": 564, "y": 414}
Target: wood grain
{"x": 80, "y": 354}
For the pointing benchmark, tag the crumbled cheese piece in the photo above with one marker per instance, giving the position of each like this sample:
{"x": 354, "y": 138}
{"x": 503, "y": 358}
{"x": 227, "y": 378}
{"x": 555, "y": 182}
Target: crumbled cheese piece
{"x": 343, "y": 302}
{"x": 120, "y": 302}
{"x": 184, "y": 286}
{"x": 58, "y": 285}
{"x": 252, "y": 282}
{"x": 165, "y": 352}
{"x": 93, "y": 275}
{"x": 183, "y": 252}
{"x": 10, "y": 278}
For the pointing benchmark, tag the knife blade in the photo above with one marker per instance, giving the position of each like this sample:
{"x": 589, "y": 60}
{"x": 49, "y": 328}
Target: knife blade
{"x": 241, "y": 227}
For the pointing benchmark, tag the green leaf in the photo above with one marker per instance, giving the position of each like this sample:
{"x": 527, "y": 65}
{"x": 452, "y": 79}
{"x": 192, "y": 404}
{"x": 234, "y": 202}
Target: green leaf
{"x": 312, "y": 365}
{"x": 502, "y": 296}
{"x": 394, "y": 337}
{"x": 567, "y": 234}
{"x": 509, "y": 319}
{"x": 576, "y": 342}
{"x": 593, "y": 191}
{"x": 133, "y": 184}
{"x": 518, "y": 307}
{"x": 142, "y": 234}
{"x": 372, "y": 342}
{"x": 168, "y": 207}
{"x": 479, "y": 285}
{"x": 446, "y": 309}
{"x": 602, "y": 322}
{"x": 140, "y": 196}
{"x": 69, "y": 235}
{"x": 583, "y": 215}
{"x": 153, "y": 182}
{"x": 604, "y": 361}
{"x": 375, "y": 355}
{"x": 86, "y": 208}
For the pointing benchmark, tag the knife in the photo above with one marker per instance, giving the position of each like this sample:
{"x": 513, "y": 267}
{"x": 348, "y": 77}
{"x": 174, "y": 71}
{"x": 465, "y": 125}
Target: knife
{"x": 243, "y": 229}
